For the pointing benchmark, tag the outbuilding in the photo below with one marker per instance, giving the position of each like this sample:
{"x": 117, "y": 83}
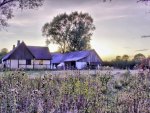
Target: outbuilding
{"x": 77, "y": 60}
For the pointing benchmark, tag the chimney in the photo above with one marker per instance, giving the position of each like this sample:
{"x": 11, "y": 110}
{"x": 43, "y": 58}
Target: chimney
{"x": 18, "y": 42}
{"x": 13, "y": 47}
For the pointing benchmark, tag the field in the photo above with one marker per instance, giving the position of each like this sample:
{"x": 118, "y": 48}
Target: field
{"x": 113, "y": 91}
{"x": 40, "y": 73}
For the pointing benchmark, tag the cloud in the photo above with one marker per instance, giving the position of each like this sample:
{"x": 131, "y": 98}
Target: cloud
{"x": 118, "y": 23}
{"x": 70, "y": 3}
{"x": 23, "y": 22}
{"x": 141, "y": 50}
{"x": 145, "y": 36}
{"x": 127, "y": 47}
{"x": 7, "y": 33}
{"x": 112, "y": 17}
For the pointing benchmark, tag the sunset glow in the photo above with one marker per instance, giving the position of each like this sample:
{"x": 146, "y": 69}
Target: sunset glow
{"x": 119, "y": 26}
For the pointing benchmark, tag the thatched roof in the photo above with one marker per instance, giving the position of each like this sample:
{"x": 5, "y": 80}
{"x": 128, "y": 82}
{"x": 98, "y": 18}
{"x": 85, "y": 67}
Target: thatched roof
{"x": 28, "y": 52}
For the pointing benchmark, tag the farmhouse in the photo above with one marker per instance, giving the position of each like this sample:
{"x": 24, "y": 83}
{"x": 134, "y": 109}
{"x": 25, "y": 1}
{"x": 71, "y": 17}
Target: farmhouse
{"x": 36, "y": 57}
{"x": 76, "y": 60}
{"x": 27, "y": 57}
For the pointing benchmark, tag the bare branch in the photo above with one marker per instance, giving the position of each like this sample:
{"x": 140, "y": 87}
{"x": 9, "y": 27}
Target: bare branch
{"x": 7, "y": 6}
{"x": 6, "y": 2}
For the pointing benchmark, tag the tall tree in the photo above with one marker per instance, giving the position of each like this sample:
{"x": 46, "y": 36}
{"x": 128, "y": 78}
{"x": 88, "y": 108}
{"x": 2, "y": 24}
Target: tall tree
{"x": 81, "y": 31}
{"x": 7, "y": 8}
{"x": 70, "y": 31}
{"x": 57, "y": 31}
{"x": 139, "y": 57}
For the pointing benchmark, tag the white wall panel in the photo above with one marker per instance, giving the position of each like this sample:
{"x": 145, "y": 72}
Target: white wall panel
{"x": 80, "y": 65}
{"x": 14, "y": 64}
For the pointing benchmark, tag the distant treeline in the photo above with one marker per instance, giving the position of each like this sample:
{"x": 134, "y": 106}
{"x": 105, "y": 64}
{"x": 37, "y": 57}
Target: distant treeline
{"x": 120, "y": 64}
{"x": 124, "y": 62}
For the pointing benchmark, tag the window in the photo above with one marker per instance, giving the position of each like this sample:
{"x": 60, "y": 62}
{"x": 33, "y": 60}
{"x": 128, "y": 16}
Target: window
{"x": 28, "y": 62}
{"x": 41, "y": 62}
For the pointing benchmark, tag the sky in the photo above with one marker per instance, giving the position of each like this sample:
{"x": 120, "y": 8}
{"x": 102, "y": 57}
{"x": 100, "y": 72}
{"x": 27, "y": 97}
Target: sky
{"x": 120, "y": 25}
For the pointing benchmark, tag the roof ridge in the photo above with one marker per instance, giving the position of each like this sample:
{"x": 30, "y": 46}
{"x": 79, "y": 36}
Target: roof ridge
{"x": 37, "y": 46}
{"x": 72, "y": 51}
{"x": 80, "y": 51}
{"x": 12, "y": 51}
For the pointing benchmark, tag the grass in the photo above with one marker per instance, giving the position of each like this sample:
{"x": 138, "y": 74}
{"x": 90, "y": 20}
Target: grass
{"x": 75, "y": 93}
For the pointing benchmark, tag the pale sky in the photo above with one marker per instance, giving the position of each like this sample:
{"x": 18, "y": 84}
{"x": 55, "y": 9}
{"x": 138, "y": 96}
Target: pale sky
{"x": 119, "y": 25}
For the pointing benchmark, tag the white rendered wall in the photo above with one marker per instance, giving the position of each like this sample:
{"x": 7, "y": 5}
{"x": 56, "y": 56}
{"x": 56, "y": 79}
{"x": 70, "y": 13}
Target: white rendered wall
{"x": 22, "y": 66}
{"x": 22, "y": 62}
{"x": 80, "y": 65}
{"x": 44, "y": 62}
{"x": 45, "y": 65}
{"x": 36, "y": 63}
{"x": 14, "y": 64}
{"x": 29, "y": 66}
{"x": 7, "y": 62}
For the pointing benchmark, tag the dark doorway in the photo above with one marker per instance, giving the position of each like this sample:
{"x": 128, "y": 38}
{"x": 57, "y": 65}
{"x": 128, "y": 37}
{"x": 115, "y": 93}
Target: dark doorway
{"x": 73, "y": 65}
{"x": 28, "y": 62}
{"x": 70, "y": 65}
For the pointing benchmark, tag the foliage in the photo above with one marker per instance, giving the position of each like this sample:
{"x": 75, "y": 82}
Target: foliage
{"x": 3, "y": 52}
{"x": 121, "y": 62}
{"x": 138, "y": 57}
{"x": 78, "y": 94}
{"x": 118, "y": 58}
{"x": 125, "y": 62}
{"x": 70, "y": 31}
{"x": 7, "y": 8}
{"x": 125, "y": 57}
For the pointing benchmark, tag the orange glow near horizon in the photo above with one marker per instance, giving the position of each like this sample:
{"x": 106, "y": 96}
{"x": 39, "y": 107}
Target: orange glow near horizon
{"x": 106, "y": 49}
{"x": 105, "y": 52}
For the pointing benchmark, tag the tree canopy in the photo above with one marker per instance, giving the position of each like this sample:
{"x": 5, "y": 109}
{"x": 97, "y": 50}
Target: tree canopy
{"x": 125, "y": 57}
{"x": 70, "y": 31}
{"x": 7, "y": 8}
{"x": 118, "y": 58}
{"x": 138, "y": 57}
{"x": 3, "y": 52}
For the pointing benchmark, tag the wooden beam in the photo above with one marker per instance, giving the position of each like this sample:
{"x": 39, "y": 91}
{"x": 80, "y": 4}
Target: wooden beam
{"x": 50, "y": 64}
{"x": 10, "y": 63}
{"x": 18, "y": 63}
{"x": 26, "y": 64}
{"x": 33, "y": 63}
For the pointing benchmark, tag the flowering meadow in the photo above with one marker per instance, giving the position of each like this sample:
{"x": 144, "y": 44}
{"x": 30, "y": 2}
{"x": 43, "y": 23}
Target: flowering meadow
{"x": 95, "y": 93}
